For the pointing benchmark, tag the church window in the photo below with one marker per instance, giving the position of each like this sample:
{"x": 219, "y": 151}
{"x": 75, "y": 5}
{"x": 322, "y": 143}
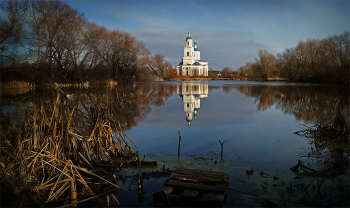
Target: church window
{"x": 188, "y": 105}
{"x": 188, "y": 43}
{"x": 188, "y": 53}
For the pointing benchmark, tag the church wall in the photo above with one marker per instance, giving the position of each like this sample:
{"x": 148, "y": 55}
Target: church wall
{"x": 197, "y": 55}
{"x": 189, "y": 58}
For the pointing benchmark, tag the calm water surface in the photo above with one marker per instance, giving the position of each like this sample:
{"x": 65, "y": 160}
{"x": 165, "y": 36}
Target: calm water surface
{"x": 255, "y": 121}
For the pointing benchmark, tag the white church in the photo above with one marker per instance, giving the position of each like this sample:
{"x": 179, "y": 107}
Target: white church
{"x": 191, "y": 64}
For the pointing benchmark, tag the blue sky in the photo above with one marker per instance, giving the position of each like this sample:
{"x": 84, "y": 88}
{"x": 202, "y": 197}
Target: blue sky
{"x": 229, "y": 33}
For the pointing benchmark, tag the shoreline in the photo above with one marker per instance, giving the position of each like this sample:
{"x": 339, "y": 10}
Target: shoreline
{"x": 22, "y": 85}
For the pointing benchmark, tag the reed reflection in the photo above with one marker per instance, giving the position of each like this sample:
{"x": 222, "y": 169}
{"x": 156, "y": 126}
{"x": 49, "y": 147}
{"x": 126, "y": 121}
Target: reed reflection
{"x": 128, "y": 104}
{"x": 307, "y": 103}
{"x": 191, "y": 93}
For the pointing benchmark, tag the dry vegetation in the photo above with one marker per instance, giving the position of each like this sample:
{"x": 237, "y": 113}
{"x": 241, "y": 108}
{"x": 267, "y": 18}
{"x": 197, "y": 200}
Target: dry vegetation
{"x": 51, "y": 156}
{"x": 337, "y": 132}
{"x": 16, "y": 84}
{"x": 329, "y": 184}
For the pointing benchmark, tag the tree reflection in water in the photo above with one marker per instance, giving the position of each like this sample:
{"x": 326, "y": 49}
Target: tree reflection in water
{"x": 308, "y": 103}
{"x": 326, "y": 183}
{"x": 129, "y": 104}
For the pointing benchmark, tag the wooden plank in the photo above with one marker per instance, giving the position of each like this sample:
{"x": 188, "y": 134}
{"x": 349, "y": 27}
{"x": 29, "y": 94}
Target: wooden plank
{"x": 185, "y": 176}
{"x": 222, "y": 181}
{"x": 167, "y": 190}
{"x": 193, "y": 191}
{"x": 194, "y": 170}
{"x": 202, "y": 175}
{"x": 199, "y": 187}
{"x": 190, "y": 193}
{"x": 189, "y": 172}
{"x": 184, "y": 179}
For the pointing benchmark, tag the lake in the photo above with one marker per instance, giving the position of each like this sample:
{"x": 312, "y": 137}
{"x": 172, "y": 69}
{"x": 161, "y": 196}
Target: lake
{"x": 256, "y": 120}
{"x": 229, "y": 126}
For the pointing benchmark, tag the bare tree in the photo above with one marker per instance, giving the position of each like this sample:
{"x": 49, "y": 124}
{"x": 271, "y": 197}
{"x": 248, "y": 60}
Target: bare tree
{"x": 12, "y": 23}
{"x": 226, "y": 71}
{"x": 65, "y": 47}
{"x": 265, "y": 65}
{"x": 159, "y": 66}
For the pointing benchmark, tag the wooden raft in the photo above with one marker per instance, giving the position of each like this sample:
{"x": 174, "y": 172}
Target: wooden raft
{"x": 188, "y": 187}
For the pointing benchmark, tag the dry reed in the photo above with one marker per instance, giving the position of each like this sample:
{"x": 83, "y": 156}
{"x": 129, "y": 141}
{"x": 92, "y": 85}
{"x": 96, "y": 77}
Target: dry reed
{"x": 49, "y": 154}
{"x": 15, "y": 84}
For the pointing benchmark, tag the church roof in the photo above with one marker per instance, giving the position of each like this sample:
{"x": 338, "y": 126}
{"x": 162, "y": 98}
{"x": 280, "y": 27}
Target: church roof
{"x": 196, "y": 49}
{"x": 181, "y": 63}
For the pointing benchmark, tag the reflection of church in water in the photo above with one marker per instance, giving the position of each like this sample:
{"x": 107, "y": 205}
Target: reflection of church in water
{"x": 191, "y": 94}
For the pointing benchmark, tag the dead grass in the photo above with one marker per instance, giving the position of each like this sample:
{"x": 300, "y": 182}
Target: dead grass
{"x": 337, "y": 132}
{"x": 15, "y": 85}
{"x": 50, "y": 156}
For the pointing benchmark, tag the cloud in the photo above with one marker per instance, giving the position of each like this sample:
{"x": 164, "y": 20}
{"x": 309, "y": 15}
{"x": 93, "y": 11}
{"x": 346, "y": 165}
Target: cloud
{"x": 220, "y": 47}
{"x": 229, "y": 33}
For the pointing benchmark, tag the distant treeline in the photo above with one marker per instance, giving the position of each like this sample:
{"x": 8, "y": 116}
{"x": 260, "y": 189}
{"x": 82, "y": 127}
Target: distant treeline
{"x": 48, "y": 41}
{"x": 326, "y": 60}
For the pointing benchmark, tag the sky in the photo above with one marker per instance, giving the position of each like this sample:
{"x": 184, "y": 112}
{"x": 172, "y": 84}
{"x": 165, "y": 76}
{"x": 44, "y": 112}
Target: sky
{"x": 228, "y": 33}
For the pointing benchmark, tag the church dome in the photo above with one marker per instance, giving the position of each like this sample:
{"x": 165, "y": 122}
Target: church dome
{"x": 197, "y": 95}
{"x": 181, "y": 63}
{"x": 196, "y": 63}
{"x": 196, "y": 49}
{"x": 196, "y": 109}
{"x": 188, "y": 38}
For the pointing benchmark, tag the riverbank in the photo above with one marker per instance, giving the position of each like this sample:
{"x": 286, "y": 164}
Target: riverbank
{"x": 220, "y": 78}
